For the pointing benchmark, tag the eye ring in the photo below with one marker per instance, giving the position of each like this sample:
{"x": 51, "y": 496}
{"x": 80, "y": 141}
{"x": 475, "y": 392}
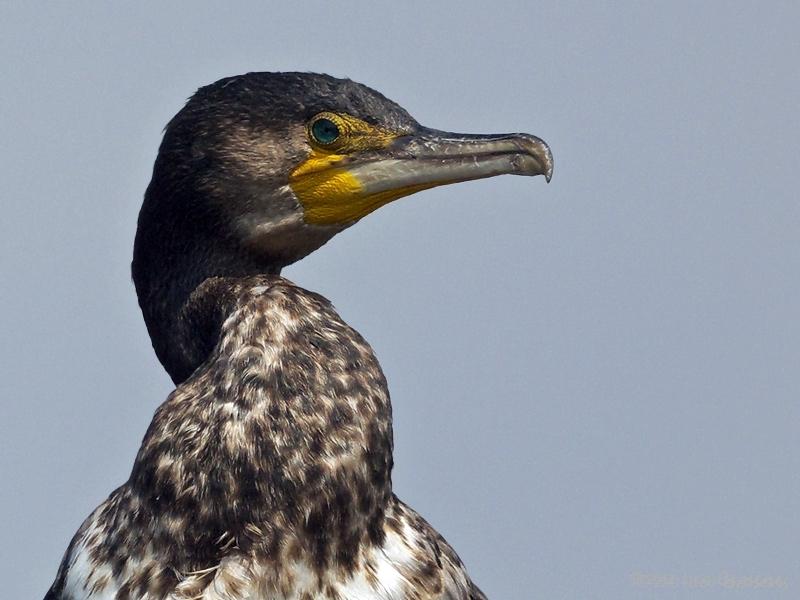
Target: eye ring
{"x": 324, "y": 131}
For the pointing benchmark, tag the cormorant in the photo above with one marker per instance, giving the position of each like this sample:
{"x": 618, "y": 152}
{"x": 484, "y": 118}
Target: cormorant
{"x": 266, "y": 474}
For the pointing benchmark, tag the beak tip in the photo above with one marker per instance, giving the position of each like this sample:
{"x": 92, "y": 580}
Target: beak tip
{"x": 548, "y": 163}
{"x": 541, "y": 154}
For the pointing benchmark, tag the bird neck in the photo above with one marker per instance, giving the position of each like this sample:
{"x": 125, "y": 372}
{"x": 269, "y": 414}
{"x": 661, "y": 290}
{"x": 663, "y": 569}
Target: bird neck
{"x": 283, "y": 438}
{"x": 178, "y": 251}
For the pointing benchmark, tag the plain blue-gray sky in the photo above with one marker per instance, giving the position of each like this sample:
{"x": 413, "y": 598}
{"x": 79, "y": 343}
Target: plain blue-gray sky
{"x": 595, "y": 382}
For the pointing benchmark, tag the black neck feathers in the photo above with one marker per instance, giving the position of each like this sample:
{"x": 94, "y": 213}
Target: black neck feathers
{"x": 181, "y": 242}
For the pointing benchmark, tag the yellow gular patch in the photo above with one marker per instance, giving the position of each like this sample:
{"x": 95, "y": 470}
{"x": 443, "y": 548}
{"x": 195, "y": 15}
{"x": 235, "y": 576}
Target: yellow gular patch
{"x": 329, "y": 193}
{"x": 335, "y": 197}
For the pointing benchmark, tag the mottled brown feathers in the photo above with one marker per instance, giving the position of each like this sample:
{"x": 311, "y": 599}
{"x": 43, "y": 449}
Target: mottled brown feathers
{"x": 287, "y": 424}
{"x": 269, "y": 467}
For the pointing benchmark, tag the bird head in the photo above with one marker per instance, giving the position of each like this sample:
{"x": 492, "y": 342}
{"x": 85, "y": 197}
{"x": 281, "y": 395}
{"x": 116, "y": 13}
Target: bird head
{"x": 281, "y": 162}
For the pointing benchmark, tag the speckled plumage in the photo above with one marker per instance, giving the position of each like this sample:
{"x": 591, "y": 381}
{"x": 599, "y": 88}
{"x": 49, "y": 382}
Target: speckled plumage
{"x": 266, "y": 474}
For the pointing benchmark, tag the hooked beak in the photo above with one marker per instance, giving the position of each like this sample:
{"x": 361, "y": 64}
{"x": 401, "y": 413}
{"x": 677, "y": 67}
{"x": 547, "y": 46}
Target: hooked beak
{"x": 440, "y": 157}
{"x": 354, "y": 186}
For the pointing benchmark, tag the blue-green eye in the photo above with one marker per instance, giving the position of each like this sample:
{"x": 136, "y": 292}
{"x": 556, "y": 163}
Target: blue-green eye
{"x": 324, "y": 131}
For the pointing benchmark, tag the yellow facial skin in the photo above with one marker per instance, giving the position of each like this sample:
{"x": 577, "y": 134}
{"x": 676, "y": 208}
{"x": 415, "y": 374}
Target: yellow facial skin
{"x": 331, "y": 195}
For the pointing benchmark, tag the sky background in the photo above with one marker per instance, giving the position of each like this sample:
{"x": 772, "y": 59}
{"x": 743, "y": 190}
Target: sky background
{"x": 595, "y": 382}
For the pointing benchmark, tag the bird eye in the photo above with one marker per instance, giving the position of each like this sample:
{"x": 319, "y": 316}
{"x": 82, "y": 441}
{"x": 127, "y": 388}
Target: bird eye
{"x": 324, "y": 131}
